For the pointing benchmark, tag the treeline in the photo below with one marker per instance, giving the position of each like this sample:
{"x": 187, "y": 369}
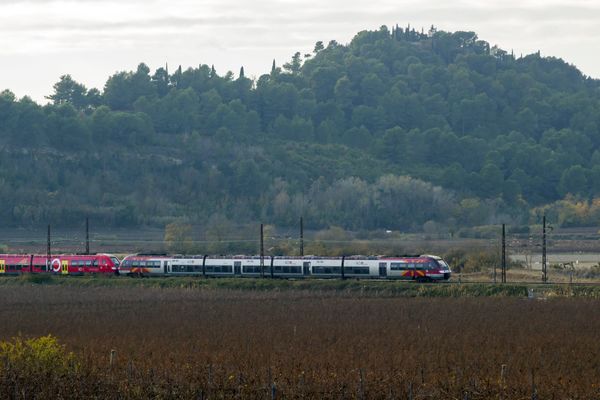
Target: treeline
{"x": 394, "y": 130}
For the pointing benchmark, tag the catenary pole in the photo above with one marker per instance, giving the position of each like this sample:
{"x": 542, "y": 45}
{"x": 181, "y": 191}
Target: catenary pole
{"x": 544, "y": 259}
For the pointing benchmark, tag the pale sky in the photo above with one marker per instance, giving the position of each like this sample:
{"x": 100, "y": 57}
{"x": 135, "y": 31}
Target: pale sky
{"x": 92, "y": 39}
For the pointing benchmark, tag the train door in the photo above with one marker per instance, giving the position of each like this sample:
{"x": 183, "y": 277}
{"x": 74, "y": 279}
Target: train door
{"x": 306, "y": 268}
{"x": 383, "y": 270}
{"x": 164, "y": 264}
{"x": 65, "y": 267}
{"x": 2, "y": 266}
{"x": 237, "y": 267}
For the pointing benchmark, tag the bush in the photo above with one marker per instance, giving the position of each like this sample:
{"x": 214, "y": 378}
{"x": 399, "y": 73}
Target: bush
{"x": 38, "y": 279}
{"x": 37, "y": 356}
{"x": 474, "y": 261}
{"x": 456, "y": 259}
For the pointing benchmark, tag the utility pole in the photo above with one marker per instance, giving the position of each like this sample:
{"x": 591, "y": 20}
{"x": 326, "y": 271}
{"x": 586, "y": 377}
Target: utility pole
{"x": 503, "y": 253}
{"x": 48, "y": 251}
{"x": 301, "y": 237}
{"x": 494, "y": 273}
{"x": 544, "y": 261}
{"x": 87, "y": 236}
{"x": 262, "y": 251}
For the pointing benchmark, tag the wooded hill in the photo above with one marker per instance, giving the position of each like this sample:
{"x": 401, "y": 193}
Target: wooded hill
{"x": 397, "y": 129}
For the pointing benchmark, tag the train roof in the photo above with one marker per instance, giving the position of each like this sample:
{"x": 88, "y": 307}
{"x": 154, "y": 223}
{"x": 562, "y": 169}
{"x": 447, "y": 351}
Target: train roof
{"x": 256, "y": 257}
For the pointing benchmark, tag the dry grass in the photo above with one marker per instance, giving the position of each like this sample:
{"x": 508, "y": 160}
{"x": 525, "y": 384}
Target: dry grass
{"x": 181, "y": 343}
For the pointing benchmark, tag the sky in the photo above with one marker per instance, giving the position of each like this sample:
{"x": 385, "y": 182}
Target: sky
{"x": 40, "y": 40}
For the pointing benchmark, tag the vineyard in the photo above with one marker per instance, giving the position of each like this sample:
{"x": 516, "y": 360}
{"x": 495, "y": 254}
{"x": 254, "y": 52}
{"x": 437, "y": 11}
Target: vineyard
{"x": 204, "y": 343}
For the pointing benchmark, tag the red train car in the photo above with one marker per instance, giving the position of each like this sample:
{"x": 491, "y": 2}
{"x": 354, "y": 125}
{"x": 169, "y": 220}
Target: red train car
{"x": 64, "y": 264}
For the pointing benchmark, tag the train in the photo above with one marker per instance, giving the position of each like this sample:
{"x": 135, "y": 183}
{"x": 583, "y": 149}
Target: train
{"x": 422, "y": 268}
{"x": 63, "y": 264}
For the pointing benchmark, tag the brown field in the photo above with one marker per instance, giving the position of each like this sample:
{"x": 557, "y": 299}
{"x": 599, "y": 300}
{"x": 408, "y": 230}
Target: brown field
{"x": 215, "y": 343}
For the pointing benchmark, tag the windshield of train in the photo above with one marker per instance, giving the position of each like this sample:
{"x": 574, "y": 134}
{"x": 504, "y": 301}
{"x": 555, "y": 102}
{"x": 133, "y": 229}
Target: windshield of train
{"x": 115, "y": 260}
{"x": 443, "y": 264}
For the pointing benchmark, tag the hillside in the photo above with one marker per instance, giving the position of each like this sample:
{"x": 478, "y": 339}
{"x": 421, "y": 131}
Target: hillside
{"x": 397, "y": 130}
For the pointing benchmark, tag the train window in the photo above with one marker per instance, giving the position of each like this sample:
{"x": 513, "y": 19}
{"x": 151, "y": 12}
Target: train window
{"x": 326, "y": 270}
{"x": 358, "y": 270}
{"x": 95, "y": 263}
{"x": 88, "y": 263}
{"x": 399, "y": 266}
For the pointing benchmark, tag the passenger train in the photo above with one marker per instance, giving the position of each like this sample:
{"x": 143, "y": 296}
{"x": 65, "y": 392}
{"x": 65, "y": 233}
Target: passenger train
{"x": 64, "y": 264}
{"x": 421, "y": 268}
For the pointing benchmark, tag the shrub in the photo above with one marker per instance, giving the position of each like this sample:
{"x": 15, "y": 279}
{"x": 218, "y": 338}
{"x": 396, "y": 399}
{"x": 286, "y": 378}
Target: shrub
{"x": 39, "y": 279}
{"x": 43, "y": 355}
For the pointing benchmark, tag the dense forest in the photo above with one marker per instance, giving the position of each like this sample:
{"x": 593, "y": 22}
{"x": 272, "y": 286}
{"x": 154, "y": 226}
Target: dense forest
{"x": 399, "y": 129}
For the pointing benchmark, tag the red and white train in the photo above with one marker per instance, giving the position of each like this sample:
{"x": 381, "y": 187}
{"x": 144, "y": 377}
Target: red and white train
{"x": 64, "y": 264}
{"x": 420, "y": 268}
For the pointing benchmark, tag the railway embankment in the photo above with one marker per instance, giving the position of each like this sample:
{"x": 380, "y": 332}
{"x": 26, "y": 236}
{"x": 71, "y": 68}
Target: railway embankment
{"x": 349, "y": 287}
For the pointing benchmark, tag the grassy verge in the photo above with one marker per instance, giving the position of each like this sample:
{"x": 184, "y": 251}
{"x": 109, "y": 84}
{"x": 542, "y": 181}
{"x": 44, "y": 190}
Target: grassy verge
{"x": 370, "y": 288}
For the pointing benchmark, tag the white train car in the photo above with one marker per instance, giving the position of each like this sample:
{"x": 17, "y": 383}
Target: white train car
{"x": 419, "y": 268}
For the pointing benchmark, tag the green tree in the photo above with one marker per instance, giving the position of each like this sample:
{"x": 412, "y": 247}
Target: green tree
{"x": 178, "y": 237}
{"x": 293, "y": 67}
{"x": 573, "y": 181}
{"x": 66, "y": 90}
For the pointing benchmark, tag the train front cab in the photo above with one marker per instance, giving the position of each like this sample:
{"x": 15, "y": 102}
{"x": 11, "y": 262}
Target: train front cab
{"x": 422, "y": 269}
{"x": 439, "y": 271}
